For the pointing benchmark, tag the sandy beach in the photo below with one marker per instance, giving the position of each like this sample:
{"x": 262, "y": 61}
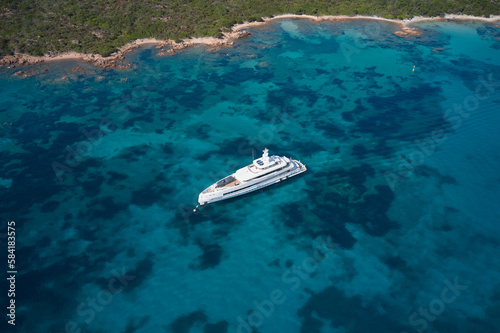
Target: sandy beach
{"x": 114, "y": 60}
{"x": 402, "y": 23}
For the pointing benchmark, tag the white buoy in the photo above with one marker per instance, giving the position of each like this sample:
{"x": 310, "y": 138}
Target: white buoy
{"x": 195, "y": 208}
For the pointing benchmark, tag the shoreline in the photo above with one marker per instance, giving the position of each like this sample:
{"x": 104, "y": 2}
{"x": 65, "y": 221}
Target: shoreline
{"x": 403, "y": 23}
{"x": 237, "y": 32}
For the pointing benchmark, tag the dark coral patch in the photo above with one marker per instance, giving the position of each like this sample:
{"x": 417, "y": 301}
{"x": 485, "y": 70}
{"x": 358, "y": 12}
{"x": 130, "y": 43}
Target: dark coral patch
{"x": 330, "y": 129}
{"x": 201, "y": 132}
{"x": 89, "y": 163}
{"x": 280, "y": 98}
{"x": 210, "y": 258}
{"x": 373, "y": 212}
{"x": 414, "y": 110}
{"x": 92, "y": 187}
{"x": 219, "y": 327}
{"x": 167, "y": 148}
{"x": 125, "y": 280}
{"x": 104, "y": 208}
{"x": 139, "y": 274}
{"x": 395, "y": 263}
{"x": 115, "y": 177}
{"x": 188, "y": 93}
{"x": 293, "y": 215}
{"x": 237, "y": 149}
{"x": 333, "y": 226}
{"x": 66, "y": 274}
{"x": 146, "y": 117}
{"x": 311, "y": 325}
{"x": 133, "y": 327}
{"x": 333, "y": 305}
{"x": 320, "y": 71}
{"x": 150, "y": 194}
{"x": 341, "y": 198}
{"x": 359, "y": 151}
{"x": 305, "y": 148}
{"x": 184, "y": 323}
{"x": 133, "y": 154}
{"x": 49, "y": 206}
{"x": 30, "y": 176}
{"x": 428, "y": 171}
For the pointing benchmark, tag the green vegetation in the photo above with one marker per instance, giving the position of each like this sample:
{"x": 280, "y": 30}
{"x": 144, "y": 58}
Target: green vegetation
{"x": 100, "y": 26}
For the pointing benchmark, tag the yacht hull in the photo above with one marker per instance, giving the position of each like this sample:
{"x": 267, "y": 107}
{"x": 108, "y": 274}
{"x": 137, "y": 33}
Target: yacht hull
{"x": 207, "y": 197}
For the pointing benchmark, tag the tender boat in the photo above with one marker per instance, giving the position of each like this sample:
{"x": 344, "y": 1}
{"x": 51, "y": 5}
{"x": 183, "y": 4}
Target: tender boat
{"x": 263, "y": 172}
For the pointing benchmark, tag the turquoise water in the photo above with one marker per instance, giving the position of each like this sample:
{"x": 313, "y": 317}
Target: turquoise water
{"x": 394, "y": 228}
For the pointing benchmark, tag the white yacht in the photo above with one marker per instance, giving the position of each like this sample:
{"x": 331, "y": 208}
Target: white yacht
{"x": 263, "y": 172}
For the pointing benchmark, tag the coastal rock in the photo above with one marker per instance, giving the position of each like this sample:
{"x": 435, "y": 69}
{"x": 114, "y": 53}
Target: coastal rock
{"x": 30, "y": 72}
{"x": 122, "y": 66}
{"x": 125, "y": 49}
{"x": 179, "y": 46}
{"x": 102, "y": 62}
{"x": 239, "y": 34}
{"x": 111, "y": 61}
{"x": 95, "y": 59}
{"x": 20, "y": 59}
{"x": 406, "y": 31}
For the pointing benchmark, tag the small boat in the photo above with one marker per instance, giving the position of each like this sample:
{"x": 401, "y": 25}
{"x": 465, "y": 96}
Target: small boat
{"x": 264, "y": 171}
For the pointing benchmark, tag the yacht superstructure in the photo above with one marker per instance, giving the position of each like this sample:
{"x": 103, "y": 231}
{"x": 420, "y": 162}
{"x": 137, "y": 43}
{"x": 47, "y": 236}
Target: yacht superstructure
{"x": 264, "y": 171}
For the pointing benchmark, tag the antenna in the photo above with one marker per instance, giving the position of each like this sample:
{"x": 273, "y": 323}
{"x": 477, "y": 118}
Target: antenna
{"x": 265, "y": 156}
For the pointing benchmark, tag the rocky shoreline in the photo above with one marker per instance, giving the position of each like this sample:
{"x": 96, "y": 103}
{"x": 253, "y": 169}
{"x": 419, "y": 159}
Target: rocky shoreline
{"x": 170, "y": 47}
{"x": 116, "y": 59}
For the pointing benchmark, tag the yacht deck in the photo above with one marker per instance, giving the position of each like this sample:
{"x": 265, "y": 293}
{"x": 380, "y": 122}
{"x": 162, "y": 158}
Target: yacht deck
{"x": 235, "y": 182}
